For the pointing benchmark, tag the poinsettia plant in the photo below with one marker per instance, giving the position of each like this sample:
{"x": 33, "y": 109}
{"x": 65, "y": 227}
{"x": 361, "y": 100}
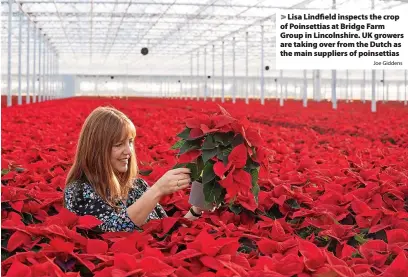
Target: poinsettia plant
{"x": 225, "y": 155}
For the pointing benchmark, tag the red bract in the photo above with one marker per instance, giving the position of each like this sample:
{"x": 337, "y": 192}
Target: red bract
{"x": 220, "y": 169}
{"x": 237, "y": 182}
{"x": 17, "y": 239}
{"x": 398, "y": 267}
{"x": 238, "y": 156}
{"x": 398, "y": 238}
{"x": 332, "y": 200}
{"x": 375, "y": 251}
{"x": 19, "y": 269}
{"x": 222, "y": 120}
{"x": 189, "y": 156}
{"x": 312, "y": 255}
{"x": 195, "y": 133}
{"x": 205, "y": 244}
{"x": 96, "y": 246}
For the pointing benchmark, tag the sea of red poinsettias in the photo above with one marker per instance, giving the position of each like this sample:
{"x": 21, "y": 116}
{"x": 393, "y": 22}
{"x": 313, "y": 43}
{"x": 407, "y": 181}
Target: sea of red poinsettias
{"x": 333, "y": 199}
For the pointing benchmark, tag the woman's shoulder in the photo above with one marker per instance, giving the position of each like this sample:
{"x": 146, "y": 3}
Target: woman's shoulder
{"x": 76, "y": 193}
{"x": 82, "y": 187}
{"x": 139, "y": 183}
{"x": 78, "y": 187}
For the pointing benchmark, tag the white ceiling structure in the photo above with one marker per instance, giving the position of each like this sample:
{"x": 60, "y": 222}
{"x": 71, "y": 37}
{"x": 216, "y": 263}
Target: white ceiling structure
{"x": 106, "y": 36}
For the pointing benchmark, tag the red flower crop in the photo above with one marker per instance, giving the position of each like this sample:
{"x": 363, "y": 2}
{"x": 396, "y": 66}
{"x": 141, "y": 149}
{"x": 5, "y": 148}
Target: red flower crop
{"x": 332, "y": 188}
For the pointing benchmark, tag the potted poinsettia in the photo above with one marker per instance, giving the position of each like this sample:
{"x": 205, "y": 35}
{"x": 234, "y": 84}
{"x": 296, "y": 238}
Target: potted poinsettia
{"x": 224, "y": 155}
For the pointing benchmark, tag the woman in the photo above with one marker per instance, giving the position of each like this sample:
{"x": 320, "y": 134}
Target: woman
{"x": 103, "y": 181}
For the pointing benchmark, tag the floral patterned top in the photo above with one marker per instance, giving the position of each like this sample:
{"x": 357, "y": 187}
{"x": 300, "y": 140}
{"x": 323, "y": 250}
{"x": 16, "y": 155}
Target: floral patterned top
{"x": 81, "y": 199}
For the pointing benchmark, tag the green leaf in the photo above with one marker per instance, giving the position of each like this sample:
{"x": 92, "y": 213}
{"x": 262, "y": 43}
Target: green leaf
{"x": 208, "y": 173}
{"x": 4, "y": 255}
{"x": 323, "y": 241}
{"x": 224, "y": 138}
{"x": 209, "y": 143}
{"x": 4, "y": 172}
{"x": 356, "y": 255}
{"x": 293, "y": 204}
{"x": 212, "y": 192}
{"x": 274, "y": 212}
{"x": 307, "y": 231}
{"x": 5, "y": 236}
{"x": 179, "y": 165}
{"x": 255, "y": 191}
{"x": 223, "y": 154}
{"x": 360, "y": 239}
{"x": 82, "y": 269}
{"x": 209, "y": 154}
{"x": 255, "y": 187}
{"x": 255, "y": 175}
{"x": 178, "y": 144}
{"x": 27, "y": 218}
{"x": 185, "y": 134}
{"x": 195, "y": 174}
{"x": 237, "y": 140}
{"x": 200, "y": 165}
{"x": 247, "y": 245}
{"x": 36, "y": 248}
{"x": 245, "y": 249}
{"x": 223, "y": 158}
{"x": 364, "y": 231}
{"x": 236, "y": 209}
{"x": 232, "y": 200}
{"x": 250, "y": 164}
{"x": 391, "y": 257}
{"x": 188, "y": 146}
{"x": 145, "y": 172}
{"x": 226, "y": 151}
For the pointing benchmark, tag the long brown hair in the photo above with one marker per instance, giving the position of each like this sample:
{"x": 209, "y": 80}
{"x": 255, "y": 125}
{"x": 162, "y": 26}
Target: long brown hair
{"x": 103, "y": 128}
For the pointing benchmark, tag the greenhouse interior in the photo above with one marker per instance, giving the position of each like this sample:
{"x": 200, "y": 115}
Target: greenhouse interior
{"x": 160, "y": 138}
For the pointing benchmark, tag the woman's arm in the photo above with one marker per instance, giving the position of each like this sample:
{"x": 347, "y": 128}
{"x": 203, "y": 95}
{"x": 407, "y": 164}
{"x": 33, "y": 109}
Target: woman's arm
{"x": 172, "y": 181}
{"x": 190, "y": 216}
{"x": 140, "y": 210}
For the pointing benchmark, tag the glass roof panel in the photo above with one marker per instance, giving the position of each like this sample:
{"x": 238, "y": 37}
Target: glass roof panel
{"x": 97, "y": 32}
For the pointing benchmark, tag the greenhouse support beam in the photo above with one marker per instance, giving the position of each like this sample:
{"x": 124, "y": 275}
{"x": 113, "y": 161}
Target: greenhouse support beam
{"x": 39, "y": 79}
{"x": 213, "y": 73}
{"x": 28, "y": 64}
{"x": 34, "y": 60}
{"x": 363, "y": 87}
{"x": 305, "y": 88}
{"x": 222, "y": 70}
{"x": 373, "y": 100}
{"x": 20, "y": 42}
{"x": 347, "y": 86}
{"x": 234, "y": 85}
{"x": 198, "y": 75}
{"x": 334, "y": 88}
{"x": 246, "y": 69}
{"x": 205, "y": 74}
{"x": 262, "y": 67}
{"x": 281, "y": 88}
{"x": 406, "y": 87}
{"x": 10, "y": 28}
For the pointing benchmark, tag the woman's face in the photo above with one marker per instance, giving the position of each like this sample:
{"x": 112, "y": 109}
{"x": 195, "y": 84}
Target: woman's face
{"x": 120, "y": 156}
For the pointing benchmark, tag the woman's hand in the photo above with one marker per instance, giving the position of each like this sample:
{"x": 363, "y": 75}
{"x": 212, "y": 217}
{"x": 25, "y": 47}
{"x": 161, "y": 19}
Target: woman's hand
{"x": 197, "y": 210}
{"x": 190, "y": 216}
{"x": 173, "y": 180}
